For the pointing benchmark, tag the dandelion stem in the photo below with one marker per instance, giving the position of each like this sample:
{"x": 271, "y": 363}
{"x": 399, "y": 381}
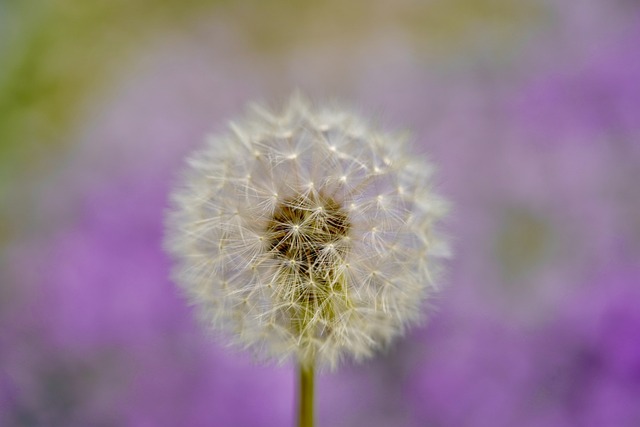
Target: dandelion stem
{"x": 305, "y": 390}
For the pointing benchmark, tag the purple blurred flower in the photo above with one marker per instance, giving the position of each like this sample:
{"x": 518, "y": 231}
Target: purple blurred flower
{"x": 580, "y": 367}
{"x": 588, "y": 354}
{"x": 472, "y": 373}
{"x": 597, "y": 99}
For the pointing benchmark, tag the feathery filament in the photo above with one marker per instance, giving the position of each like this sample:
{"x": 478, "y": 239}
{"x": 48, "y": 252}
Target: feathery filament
{"x": 307, "y": 234}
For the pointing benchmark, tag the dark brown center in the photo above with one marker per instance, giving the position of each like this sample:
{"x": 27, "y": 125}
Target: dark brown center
{"x": 305, "y": 229}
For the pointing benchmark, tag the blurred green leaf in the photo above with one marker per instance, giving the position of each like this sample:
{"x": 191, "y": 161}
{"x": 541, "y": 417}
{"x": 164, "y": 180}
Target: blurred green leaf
{"x": 58, "y": 52}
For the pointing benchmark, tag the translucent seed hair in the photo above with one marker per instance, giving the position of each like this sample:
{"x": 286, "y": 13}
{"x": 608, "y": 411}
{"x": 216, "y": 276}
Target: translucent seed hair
{"x": 306, "y": 233}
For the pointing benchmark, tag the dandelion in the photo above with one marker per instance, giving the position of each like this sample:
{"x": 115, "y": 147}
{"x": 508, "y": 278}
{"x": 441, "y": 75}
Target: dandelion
{"x": 306, "y": 234}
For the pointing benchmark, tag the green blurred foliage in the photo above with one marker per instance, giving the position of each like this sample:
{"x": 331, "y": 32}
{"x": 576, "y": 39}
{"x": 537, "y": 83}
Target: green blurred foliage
{"x": 61, "y": 49}
{"x": 55, "y": 53}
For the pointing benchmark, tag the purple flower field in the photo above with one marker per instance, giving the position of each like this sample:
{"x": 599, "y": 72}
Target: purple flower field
{"x": 531, "y": 112}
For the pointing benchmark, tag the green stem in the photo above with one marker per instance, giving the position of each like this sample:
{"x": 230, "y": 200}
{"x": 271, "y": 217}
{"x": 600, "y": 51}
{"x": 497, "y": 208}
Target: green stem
{"x": 305, "y": 389}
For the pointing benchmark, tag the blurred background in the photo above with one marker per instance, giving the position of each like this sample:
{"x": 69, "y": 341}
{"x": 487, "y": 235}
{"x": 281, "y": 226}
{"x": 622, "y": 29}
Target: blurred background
{"x": 530, "y": 109}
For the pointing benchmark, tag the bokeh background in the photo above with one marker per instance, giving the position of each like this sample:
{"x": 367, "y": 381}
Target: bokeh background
{"x": 530, "y": 109}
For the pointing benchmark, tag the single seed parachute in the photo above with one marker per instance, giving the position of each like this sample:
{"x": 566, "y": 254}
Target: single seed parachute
{"x": 306, "y": 233}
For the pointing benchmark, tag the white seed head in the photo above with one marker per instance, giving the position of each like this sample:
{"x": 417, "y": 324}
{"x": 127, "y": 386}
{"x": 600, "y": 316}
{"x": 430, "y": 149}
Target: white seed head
{"x": 306, "y": 233}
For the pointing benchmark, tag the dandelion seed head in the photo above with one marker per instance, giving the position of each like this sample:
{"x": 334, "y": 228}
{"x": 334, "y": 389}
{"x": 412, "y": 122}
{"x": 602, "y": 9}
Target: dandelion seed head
{"x": 306, "y": 233}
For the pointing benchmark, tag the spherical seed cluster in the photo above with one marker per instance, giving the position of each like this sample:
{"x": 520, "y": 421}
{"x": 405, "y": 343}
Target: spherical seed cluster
{"x": 306, "y": 233}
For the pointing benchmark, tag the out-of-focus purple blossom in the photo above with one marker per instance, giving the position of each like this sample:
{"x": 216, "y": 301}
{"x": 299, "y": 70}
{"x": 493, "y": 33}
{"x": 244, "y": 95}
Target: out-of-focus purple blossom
{"x": 472, "y": 372}
{"x": 599, "y": 99}
{"x": 578, "y": 367}
{"x": 588, "y": 354}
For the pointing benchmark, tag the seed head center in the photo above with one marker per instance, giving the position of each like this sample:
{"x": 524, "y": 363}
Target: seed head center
{"x": 302, "y": 228}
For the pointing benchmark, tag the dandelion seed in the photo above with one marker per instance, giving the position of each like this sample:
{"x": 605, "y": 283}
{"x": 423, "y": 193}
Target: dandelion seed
{"x": 306, "y": 234}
